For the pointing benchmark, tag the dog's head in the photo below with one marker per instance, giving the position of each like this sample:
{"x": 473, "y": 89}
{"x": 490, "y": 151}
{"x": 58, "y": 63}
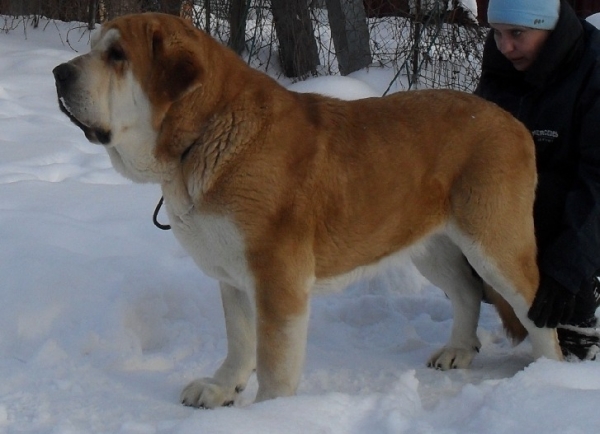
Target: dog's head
{"x": 120, "y": 92}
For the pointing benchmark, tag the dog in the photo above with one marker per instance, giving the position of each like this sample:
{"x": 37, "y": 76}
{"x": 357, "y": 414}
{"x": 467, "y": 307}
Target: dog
{"x": 278, "y": 194}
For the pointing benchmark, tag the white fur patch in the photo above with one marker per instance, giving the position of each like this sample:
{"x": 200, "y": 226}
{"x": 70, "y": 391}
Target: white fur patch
{"x": 215, "y": 244}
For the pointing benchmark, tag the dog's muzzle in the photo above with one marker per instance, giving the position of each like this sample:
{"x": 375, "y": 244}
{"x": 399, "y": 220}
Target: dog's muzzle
{"x": 66, "y": 75}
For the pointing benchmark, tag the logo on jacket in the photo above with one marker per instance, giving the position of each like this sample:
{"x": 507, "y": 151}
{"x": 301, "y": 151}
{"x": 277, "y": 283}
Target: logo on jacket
{"x": 545, "y": 136}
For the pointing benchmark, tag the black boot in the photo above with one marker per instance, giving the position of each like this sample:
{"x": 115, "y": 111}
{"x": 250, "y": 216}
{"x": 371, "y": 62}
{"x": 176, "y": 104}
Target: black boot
{"x": 580, "y": 338}
{"x": 581, "y": 343}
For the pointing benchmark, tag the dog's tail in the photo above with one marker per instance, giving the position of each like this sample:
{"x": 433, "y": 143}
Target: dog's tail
{"x": 513, "y": 327}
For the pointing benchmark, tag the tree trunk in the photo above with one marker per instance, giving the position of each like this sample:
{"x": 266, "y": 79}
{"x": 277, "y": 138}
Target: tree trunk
{"x": 172, "y": 7}
{"x": 298, "y": 50}
{"x": 350, "y": 34}
{"x": 92, "y": 14}
{"x": 238, "y": 12}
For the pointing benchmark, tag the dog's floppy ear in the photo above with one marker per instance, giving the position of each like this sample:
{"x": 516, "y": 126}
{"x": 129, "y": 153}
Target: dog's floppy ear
{"x": 175, "y": 68}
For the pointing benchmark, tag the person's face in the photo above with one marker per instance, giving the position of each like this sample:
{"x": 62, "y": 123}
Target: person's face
{"x": 521, "y": 45}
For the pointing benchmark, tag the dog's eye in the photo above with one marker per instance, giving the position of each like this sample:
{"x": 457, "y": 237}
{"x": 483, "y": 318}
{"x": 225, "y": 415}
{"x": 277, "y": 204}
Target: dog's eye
{"x": 116, "y": 54}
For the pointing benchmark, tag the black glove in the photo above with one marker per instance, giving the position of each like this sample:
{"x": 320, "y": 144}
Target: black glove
{"x": 553, "y": 303}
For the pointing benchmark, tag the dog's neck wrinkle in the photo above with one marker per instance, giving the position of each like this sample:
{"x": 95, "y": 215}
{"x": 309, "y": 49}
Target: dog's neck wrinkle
{"x": 208, "y": 156}
{"x": 226, "y": 121}
{"x": 186, "y": 151}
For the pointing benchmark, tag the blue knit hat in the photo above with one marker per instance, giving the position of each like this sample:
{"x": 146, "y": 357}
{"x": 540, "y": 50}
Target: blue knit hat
{"x": 536, "y": 14}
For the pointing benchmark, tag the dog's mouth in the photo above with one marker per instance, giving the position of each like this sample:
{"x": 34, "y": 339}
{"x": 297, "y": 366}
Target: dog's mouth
{"x": 94, "y": 135}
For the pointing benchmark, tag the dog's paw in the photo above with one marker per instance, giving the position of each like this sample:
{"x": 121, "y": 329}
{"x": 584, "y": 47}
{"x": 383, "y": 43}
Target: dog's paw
{"x": 208, "y": 393}
{"x": 452, "y": 358}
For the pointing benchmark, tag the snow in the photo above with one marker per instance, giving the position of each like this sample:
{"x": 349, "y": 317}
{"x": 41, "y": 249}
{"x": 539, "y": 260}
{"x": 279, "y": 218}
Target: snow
{"x": 594, "y": 19}
{"x": 104, "y": 318}
{"x": 470, "y": 5}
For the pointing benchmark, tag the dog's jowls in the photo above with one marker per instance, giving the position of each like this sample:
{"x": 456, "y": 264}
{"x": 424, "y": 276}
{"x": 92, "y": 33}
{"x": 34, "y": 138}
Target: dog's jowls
{"x": 278, "y": 194}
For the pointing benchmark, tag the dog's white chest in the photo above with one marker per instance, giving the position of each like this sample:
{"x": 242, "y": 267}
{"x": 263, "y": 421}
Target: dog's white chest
{"x": 216, "y": 245}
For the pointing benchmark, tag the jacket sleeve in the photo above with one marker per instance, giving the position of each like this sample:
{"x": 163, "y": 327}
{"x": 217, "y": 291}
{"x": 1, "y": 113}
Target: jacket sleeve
{"x": 574, "y": 256}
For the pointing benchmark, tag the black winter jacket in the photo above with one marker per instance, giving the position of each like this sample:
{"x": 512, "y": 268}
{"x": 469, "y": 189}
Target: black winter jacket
{"x": 558, "y": 99}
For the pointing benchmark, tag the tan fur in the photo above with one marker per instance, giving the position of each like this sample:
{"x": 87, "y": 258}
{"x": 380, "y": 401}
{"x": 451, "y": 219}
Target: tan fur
{"x": 295, "y": 190}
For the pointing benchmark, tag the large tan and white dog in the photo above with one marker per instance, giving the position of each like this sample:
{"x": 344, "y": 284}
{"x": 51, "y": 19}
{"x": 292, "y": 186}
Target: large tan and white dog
{"x": 278, "y": 194}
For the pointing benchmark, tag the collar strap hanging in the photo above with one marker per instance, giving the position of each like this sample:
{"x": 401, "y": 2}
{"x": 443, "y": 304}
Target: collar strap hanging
{"x": 158, "y": 224}
{"x": 155, "y": 217}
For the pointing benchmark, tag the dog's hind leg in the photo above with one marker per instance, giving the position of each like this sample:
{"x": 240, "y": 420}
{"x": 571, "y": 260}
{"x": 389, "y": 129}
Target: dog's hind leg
{"x": 492, "y": 223}
{"x": 232, "y": 376}
{"x": 512, "y": 271}
{"x": 444, "y": 265}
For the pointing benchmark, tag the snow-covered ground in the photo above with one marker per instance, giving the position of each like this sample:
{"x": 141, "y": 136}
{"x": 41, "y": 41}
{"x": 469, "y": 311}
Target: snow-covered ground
{"x": 104, "y": 318}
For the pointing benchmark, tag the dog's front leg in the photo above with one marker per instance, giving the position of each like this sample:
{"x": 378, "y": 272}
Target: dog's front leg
{"x": 282, "y": 333}
{"x": 232, "y": 376}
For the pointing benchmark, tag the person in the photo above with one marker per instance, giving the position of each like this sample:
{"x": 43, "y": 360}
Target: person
{"x": 542, "y": 64}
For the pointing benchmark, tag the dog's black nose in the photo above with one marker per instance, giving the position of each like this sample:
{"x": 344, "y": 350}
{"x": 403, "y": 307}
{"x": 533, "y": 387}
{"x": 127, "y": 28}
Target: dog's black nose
{"x": 64, "y": 73}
